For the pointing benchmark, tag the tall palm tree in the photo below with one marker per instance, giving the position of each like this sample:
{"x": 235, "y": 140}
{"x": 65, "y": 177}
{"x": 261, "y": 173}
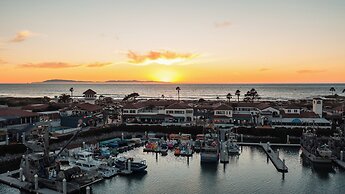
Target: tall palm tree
{"x": 238, "y": 93}
{"x": 178, "y": 92}
{"x": 71, "y": 90}
{"x": 332, "y": 89}
{"x": 229, "y": 96}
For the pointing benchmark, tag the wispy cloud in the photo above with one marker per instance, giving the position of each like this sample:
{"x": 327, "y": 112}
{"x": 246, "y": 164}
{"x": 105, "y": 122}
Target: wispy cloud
{"x": 98, "y": 64}
{"x": 22, "y": 36}
{"x": 311, "y": 71}
{"x": 223, "y": 24}
{"x": 264, "y": 69}
{"x": 49, "y": 65}
{"x": 163, "y": 57}
{"x": 2, "y": 61}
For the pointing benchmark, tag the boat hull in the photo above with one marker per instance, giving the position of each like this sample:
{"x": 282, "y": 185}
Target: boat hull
{"x": 315, "y": 159}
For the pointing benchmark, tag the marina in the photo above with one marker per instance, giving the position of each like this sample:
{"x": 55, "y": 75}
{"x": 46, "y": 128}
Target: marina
{"x": 170, "y": 174}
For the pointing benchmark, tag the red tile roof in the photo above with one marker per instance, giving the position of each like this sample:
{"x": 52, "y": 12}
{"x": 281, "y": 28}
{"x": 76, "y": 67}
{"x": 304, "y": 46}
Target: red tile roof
{"x": 89, "y": 107}
{"x": 16, "y": 112}
{"x": 36, "y": 107}
{"x": 223, "y": 107}
{"x": 179, "y": 105}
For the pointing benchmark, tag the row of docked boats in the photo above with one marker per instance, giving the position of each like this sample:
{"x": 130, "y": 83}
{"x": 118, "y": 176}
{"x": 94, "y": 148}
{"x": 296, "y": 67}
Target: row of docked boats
{"x": 207, "y": 144}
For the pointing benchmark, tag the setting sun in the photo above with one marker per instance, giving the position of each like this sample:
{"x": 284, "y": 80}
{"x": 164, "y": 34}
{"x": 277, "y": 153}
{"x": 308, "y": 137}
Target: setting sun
{"x": 165, "y": 76}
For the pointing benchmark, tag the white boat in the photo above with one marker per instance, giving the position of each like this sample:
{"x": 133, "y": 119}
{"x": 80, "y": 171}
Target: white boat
{"x": 86, "y": 162}
{"x": 324, "y": 151}
{"x": 233, "y": 148}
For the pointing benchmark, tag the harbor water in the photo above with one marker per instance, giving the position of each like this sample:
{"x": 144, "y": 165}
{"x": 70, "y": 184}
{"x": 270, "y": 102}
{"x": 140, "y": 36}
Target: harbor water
{"x": 250, "y": 172}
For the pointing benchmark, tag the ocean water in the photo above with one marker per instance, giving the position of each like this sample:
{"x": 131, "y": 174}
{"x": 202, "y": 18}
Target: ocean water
{"x": 188, "y": 91}
{"x": 249, "y": 172}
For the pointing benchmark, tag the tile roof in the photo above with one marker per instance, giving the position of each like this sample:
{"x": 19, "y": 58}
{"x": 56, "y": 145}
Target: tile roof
{"x": 89, "y": 91}
{"x": 223, "y": 107}
{"x": 16, "y": 112}
{"x": 178, "y": 105}
{"x": 89, "y": 107}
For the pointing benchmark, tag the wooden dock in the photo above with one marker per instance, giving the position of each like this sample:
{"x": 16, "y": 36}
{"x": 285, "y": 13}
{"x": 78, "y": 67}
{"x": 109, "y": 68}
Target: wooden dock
{"x": 339, "y": 163}
{"x": 271, "y": 144}
{"x": 274, "y": 157}
{"x": 277, "y": 162}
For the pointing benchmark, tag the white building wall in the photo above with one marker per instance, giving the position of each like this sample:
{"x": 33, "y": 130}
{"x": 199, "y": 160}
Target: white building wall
{"x": 317, "y": 107}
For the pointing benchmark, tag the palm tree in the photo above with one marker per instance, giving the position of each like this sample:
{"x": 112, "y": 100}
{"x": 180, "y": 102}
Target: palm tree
{"x": 64, "y": 98}
{"x": 238, "y": 93}
{"x": 71, "y": 90}
{"x": 332, "y": 89}
{"x": 131, "y": 97}
{"x": 229, "y": 96}
{"x": 252, "y": 95}
{"x": 178, "y": 92}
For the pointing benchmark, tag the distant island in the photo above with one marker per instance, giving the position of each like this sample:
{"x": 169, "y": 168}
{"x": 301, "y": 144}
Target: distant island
{"x": 63, "y": 81}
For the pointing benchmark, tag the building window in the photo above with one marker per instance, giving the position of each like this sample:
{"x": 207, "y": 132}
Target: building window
{"x": 131, "y": 111}
{"x": 295, "y": 110}
{"x": 189, "y": 111}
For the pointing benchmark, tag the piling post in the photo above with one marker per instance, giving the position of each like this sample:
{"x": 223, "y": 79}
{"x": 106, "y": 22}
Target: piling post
{"x": 341, "y": 155}
{"x": 277, "y": 153}
{"x": 88, "y": 189}
{"x": 7, "y": 142}
{"x": 129, "y": 165}
{"x": 288, "y": 139}
{"x": 122, "y": 136}
{"x": 64, "y": 186}
{"x": 36, "y": 181}
{"x": 241, "y": 137}
{"x": 21, "y": 174}
{"x": 23, "y": 137}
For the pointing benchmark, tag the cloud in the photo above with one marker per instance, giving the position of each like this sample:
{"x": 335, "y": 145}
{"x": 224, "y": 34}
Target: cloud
{"x": 22, "y": 36}
{"x": 310, "y": 71}
{"x": 49, "y": 65}
{"x": 98, "y": 64}
{"x": 264, "y": 69}
{"x": 163, "y": 57}
{"x": 224, "y": 24}
{"x": 2, "y": 61}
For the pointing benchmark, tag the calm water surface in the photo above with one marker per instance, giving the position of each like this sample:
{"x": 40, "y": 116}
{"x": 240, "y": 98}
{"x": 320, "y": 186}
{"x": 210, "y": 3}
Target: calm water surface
{"x": 248, "y": 173}
{"x": 188, "y": 91}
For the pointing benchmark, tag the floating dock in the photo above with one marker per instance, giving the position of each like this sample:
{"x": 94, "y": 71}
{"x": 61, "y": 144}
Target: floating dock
{"x": 274, "y": 157}
{"x": 271, "y": 144}
{"x": 339, "y": 163}
{"x": 277, "y": 162}
{"x": 8, "y": 179}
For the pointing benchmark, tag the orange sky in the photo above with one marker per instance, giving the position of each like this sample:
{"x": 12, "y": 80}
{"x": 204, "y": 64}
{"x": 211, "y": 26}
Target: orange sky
{"x": 207, "y": 42}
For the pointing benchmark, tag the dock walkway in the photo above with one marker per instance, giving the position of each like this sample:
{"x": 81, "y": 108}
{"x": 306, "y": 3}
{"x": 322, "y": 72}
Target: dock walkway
{"x": 271, "y": 144}
{"x": 274, "y": 157}
{"x": 339, "y": 163}
{"x": 277, "y": 162}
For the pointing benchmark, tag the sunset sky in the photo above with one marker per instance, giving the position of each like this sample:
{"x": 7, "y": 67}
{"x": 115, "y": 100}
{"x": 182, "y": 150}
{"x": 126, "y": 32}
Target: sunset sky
{"x": 183, "y": 41}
